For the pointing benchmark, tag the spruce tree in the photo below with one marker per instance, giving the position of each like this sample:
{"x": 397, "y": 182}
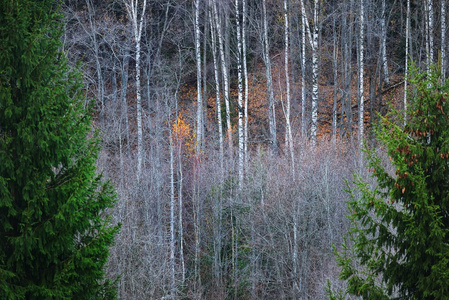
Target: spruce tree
{"x": 399, "y": 246}
{"x": 54, "y": 237}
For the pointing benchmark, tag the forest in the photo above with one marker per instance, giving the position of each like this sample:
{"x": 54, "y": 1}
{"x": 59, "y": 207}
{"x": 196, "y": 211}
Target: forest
{"x": 231, "y": 130}
{"x": 230, "y": 127}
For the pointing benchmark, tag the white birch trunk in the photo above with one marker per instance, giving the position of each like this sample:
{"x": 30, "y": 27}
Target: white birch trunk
{"x": 384, "y": 44}
{"x": 172, "y": 220}
{"x": 443, "y": 39}
{"x": 245, "y": 75}
{"x": 335, "y": 63}
{"x": 289, "y": 138}
{"x": 218, "y": 206}
{"x": 431, "y": 56}
{"x": 314, "y": 127}
{"x": 205, "y": 76}
{"x": 217, "y": 94}
{"x": 132, "y": 8}
{"x": 180, "y": 213}
{"x": 361, "y": 70}
{"x": 313, "y": 39}
{"x": 407, "y": 35}
{"x": 224, "y": 71}
{"x": 139, "y": 115}
{"x": 199, "y": 111}
{"x": 240, "y": 95}
{"x": 271, "y": 101}
{"x": 429, "y": 33}
{"x": 303, "y": 76}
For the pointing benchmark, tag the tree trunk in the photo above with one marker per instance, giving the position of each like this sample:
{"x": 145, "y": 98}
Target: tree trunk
{"x": 384, "y": 44}
{"x": 197, "y": 227}
{"x": 314, "y": 127}
{"x": 224, "y": 71}
{"x": 245, "y": 75}
{"x": 172, "y": 220}
{"x": 100, "y": 80}
{"x": 335, "y": 66}
{"x": 361, "y": 70}
{"x": 443, "y": 39}
{"x": 199, "y": 107}
{"x": 217, "y": 93}
{"x": 429, "y": 33}
{"x": 123, "y": 91}
{"x": 407, "y": 36}
{"x": 346, "y": 113}
{"x": 271, "y": 100}
{"x": 217, "y": 208}
{"x": 240, "y": 94}
{"x": 313, "y": 39}
{"x": 303, "y": 76}
{"x": 289, "y": 137}
{"x": 132, "y": 8}
{"x": 180, "y": 213}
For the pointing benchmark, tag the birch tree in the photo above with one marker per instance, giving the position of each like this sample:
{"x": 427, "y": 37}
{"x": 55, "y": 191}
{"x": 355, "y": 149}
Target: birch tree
{"x": 240, "y": 94}
{"x": 313, "y": 40}
{"x": 289, "y": 138}
{"x": 384, "y": 43}
{"x": 429, "y": 32}
{"x": 217, "y": 214}
{"x": 136, "y": 14}
{"x": 335, "y": 66}
{"x": 217, "y": 90}
{"x": 443, "y": 39}
{"x": 407, "y": 41}
{"x": 245, "y": 75}
{"x": 224, "y": 71}
{"x": 199, "y": 107}
{"x": 172, "y": 218}
{"x": 346, "y": 117}
{"x": 303, "y": 76}
{"x": 269, "y": 77}
{"x": 361, "y": 70}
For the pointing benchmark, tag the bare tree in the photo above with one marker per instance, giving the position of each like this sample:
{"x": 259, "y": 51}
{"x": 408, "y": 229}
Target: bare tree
{"x": 346, "y": 116}
{"x": 361, "y": 71}
{"x": 269, "y": 77}
{"x": 443, "y": 39}
{"x": 136, "y": 14}
{"x": 240, "y": 95}
{"x": 428, "y": 9}
{"x": 199, "y": 111}
{"x": 407, "y": 41}
{"x": 245, "y": 75}
{"x": 313, "y": 40}
{"x": 335, "y": 66}
{"x": 172, "y": 219}
{"x": 289, "y": 137}
{"x": 224, "y": 71}
{"x": 303, "y": 75}
{"x": 384, "y": 43}
{"x": 217, "y": 88}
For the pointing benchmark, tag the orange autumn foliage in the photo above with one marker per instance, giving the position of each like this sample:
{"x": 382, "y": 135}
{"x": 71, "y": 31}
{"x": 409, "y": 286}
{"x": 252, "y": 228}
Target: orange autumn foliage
{"x": 183, "y": 134}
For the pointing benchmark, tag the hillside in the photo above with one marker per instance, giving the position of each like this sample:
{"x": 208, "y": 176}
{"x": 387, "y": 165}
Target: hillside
{"x": 234, "y": 188}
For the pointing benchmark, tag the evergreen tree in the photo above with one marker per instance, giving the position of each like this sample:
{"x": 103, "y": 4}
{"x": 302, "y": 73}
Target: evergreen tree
{"x": 400, "y": 228}
{"x": 54, "y": 237}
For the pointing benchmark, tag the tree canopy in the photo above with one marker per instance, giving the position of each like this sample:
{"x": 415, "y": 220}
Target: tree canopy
{"x": 54, "y": 236}
{"x": 400, "y": 227}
